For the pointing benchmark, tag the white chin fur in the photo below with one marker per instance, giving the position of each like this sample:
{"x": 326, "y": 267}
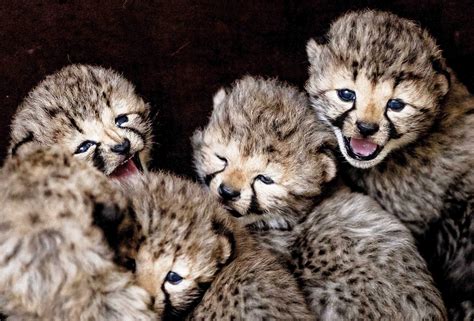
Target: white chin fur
{"x": 355, "y": 162}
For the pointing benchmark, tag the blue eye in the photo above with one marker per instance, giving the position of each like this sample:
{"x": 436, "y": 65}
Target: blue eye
{"x": 265, "y": 179}
{"x": 346, "y": 94}
{"x": 84, "y": 147}
{"x": 395, "y": 104}
{"x": 173, "y": 278}
{"x": 120, "y": 120}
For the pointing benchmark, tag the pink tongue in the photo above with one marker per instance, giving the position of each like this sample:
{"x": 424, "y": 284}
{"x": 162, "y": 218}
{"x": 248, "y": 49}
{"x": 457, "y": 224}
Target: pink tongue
{"x": 363, "y": 147}
{"x": 126, "y": 169}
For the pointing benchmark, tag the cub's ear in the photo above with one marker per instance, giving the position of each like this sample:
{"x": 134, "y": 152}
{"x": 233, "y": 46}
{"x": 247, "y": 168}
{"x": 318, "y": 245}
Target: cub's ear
{"x": 329, "y": 167}
{"x": 313, "y": 49}
{"x": 219, "y": 97}
{"x": 196, "y": 139}
{"x": 226, "y": 241}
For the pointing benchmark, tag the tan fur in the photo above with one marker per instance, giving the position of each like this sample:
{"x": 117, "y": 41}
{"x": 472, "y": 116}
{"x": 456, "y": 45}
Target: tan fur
{"x": 239, "y": 132}
{"x": 55, "y": 263}
{"x": 225, "y": 275}
{"x": 353, "y": 260}
{"x": 424, "y": 172}
{"x": 81, "y": 103}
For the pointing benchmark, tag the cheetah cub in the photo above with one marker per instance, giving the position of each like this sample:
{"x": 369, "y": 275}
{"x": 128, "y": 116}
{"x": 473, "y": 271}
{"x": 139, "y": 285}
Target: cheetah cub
{"x": 91, "y": 112}
{"x": 405, "y": 124}
{"x": 55, "y": 263}
{"x": 268, "y": 159}
{"x": 198, "y": 263}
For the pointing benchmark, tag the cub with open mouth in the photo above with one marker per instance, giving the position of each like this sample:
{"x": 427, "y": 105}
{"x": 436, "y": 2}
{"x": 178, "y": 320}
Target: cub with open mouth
{"x": 266, "y": 156}
{"x": 405, "y": 124}
{"x": 92, "y": 112}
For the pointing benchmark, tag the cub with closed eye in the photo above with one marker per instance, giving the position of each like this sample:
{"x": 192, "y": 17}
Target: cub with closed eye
{"x": 197, "y": 262}
{"x": 90, "y": 112}
{"x": 264, "y": 141}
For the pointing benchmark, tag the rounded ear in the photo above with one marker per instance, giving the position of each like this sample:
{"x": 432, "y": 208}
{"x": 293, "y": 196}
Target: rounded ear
{"x": 196, "y": 139}
{"x": 313, "y": 49}
{"x": 225, "y": 250}
{"x": 226, "y": 241}
{"x": 329, "y": 167}
{"x": 219, "y": 97}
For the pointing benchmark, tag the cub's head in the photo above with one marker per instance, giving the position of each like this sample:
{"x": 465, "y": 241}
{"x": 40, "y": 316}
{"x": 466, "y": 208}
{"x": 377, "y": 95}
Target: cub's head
{"x": 264, "y": 154}
{"x": 90, "y": 112}
{"x": 379, "y": 81}
{"x": 185, "y": 239}
{"x": 52, "y": 199}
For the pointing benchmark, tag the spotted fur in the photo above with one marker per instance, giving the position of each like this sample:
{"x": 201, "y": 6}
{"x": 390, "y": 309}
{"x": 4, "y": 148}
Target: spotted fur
{"x": 353, "y": 260}
{"x": 422, "y": 168}
{"x": 55, "y": 260}
{"x": 225, "y": 276}
{"x": 83, "y": 104}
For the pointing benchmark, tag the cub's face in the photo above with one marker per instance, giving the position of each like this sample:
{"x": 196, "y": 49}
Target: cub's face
{"x": 377, "y": 93}
{"x": 183, "y": 243}
{"x": 257, "y": 171}
{"x": 92, "y": 113}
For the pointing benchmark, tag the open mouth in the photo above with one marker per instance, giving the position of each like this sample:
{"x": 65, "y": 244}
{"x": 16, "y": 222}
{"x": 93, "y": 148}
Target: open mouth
{"x": 129, "y": 167}
{"x": 361, "y": 149}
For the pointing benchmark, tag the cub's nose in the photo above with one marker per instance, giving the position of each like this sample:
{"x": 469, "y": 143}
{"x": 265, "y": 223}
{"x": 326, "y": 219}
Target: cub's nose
{"x": 123, "y": 148}
{"x": 367, "y": 129}
{"x": 228, "y": 193}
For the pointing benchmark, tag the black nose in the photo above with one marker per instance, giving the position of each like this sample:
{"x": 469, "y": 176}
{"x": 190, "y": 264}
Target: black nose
{"x": 123, "y": 148}
{"x": 367, "y": 129}
{"x": 228, "y": 193}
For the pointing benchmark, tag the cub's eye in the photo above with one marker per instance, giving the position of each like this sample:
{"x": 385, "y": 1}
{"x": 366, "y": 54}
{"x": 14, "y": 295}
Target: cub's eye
{"x": 173, "y": 278}
{"x": 84, "y": 147}
{"x": 120, "y": 120}
{"x": 346, "y": 94}
{"x": 396, "y": 104}
{"x": 222, "y": 158}
{"x": 265, "y": 179}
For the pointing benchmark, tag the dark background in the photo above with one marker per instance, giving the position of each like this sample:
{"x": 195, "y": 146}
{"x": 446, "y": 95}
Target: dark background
{"x": 178, "y": 53}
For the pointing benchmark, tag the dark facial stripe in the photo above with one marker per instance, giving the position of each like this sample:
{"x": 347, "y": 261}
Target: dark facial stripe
{"x": 98, "y": 160}
{"x": 136, "y": 132}
{"x": 254, "y": 207}
{"x": 392, "y": 131}
{"x": 339, "y": 121}
{"x": 28, "y": 138}
{"x": 209, "y": 177}
{"x": 192, "y": 298}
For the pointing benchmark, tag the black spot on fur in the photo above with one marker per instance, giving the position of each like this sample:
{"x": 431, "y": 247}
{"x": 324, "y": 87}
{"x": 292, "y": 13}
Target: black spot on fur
{"x": 355, "y": 70}
{"x": 29, "y": 138}
{"x": 74, "y": 124}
